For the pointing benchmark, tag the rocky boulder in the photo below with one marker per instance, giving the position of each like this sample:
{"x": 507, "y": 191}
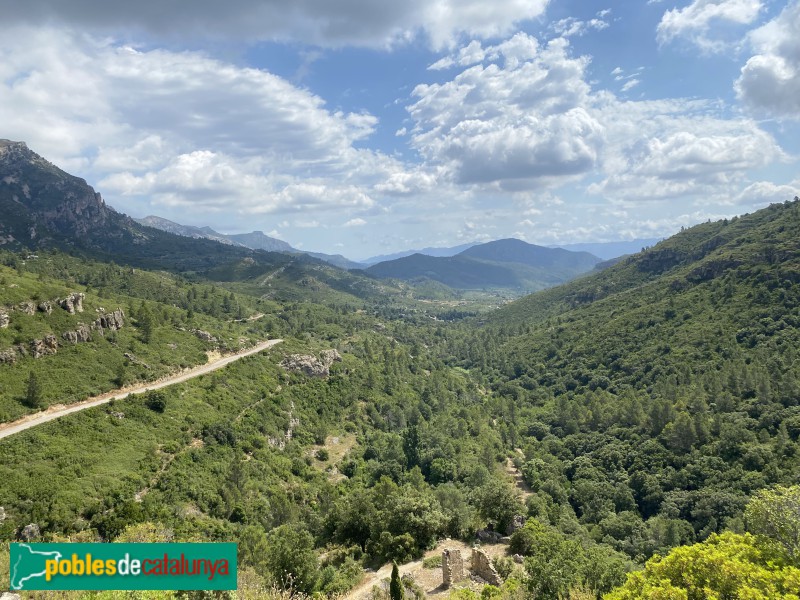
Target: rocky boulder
{"x": 4, "y": 320}
{"x": 205, "y": 336}
{"x": 72, "y": 303}
{"x": 44, "y": 347}
{"x": 306, "y": 364}
{"x": 112, "y": 321}
{"x": 30, "y": 532}
{"x": 328, "y": 357}
{"x": 517, "y": 523}
{"x": 8, "y": 357}
{"x": 82, "y": 334}
{"x": 45, "y": 307}
{"x": 27, "y": 308}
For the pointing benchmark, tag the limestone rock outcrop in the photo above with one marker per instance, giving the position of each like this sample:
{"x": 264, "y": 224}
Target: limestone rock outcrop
{"x": 328, "y": 357}
{"x": 30, "y": 532}
{"x": 72, "y": 303}
{"x": 4, "y": 320}
{"x": 27, "y": 308}
{"x": 45, "y": 307}
{"x": 44, "y": 347}
{"x": 8, "y": 357}
{"x": 205, "y": 336}
{"x": 311, "y": 365}
{"x": 82, "y": 334}
{"x": 112, "y": 321}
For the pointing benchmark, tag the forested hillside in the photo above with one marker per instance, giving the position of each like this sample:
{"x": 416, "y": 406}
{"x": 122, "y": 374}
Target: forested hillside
{"x": 650, "y": 406}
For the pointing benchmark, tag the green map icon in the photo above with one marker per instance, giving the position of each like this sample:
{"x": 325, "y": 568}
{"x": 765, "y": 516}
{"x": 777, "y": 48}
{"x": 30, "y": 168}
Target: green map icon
{"x": 27, "y": 564}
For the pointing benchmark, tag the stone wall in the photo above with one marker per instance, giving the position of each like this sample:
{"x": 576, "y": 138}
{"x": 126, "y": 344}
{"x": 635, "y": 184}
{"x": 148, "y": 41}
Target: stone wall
{"x": 483, "y": 568}
{"x": 452, "y": 566}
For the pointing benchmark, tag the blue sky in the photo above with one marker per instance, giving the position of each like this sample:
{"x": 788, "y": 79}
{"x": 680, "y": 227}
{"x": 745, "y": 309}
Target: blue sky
{"x": 363, "y": 127}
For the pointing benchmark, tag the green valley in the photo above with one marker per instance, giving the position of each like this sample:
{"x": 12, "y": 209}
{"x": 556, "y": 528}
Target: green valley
{"x": 594, "y": 438}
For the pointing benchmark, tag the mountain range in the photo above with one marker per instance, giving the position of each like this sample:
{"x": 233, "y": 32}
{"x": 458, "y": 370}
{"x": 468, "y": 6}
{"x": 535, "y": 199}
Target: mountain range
{"x": 509, "y": 263}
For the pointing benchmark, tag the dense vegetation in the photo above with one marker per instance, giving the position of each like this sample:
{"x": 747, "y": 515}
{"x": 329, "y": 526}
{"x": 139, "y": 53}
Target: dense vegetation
{"x": 652, "y": 410}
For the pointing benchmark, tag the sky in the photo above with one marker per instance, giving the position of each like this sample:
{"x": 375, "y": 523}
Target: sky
{"x": 363, "y": 127}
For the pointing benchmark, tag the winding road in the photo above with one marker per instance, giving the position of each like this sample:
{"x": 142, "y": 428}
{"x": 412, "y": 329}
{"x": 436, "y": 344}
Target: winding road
{"x": 59, "y": 410}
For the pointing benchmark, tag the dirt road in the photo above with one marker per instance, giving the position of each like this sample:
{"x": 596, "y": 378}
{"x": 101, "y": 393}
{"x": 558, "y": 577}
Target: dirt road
{"x": 59, "y": 410}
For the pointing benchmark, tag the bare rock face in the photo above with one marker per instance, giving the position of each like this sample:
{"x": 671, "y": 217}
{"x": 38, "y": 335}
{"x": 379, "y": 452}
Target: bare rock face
{"x": 73, "y": 303}
{"x": 328, "y": 357}
{"x": 30, "y": 532}
{"x": 45, "y": 347}
{"x": 306, "y": 364}
{"x": 4, "y": 320}
{"x": 8, "y": 357}
{"x": 205, "y": 336}
{"x": 45, "y": 307}
{"x": 82, "y": 334}
{"x": 112, "y": 321}
{"x": 311, "y": 365}
{"x": 27, "y": 308}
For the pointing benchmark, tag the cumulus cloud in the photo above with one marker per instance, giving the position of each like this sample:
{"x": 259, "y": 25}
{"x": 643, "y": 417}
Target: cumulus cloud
{"x": 571, "y": 26}
{"x": 518, "y": 120}
{"x": 695, "y": 21}
{"x": 770, "y": 81}
{"x": 525, "y": 118}
{"x": 674, "y": 149}
{"x": 183, "y": 129}
{"x": 762, "y": 193}
{"x": 320, "y": 22}
{"x": 355, "y": 223}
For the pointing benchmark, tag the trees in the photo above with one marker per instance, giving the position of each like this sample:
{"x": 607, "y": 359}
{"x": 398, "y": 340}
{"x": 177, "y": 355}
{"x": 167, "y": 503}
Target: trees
{"x": 33, "y": 392}
{"x": 727, "y": 565}
{"x": 290, "y": 558}
{"x": 156, "y": 401}
{"x": 395, "y": 585}
{"x": 775, "y": 513}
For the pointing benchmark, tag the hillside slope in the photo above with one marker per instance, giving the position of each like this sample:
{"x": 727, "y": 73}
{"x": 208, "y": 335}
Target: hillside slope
{"x": 653, "y": 398}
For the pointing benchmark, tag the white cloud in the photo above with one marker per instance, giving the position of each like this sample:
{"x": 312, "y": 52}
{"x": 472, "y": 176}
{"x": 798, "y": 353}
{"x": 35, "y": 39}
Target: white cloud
{"x": 319, "y": 22}
{"x": 695, "y": 21}
{"x": 522, "y": 123}
{"x": 762, "y": 193}
{"x": 526, "y": 119}
{"x": 630, "y": 84}
{"x": 182, "y": 129}
{"x": 770, "y": 81}
{"x": 571, "y": 26}
{"x": 355, "y": 223}
{"x": 678, "y": 149}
